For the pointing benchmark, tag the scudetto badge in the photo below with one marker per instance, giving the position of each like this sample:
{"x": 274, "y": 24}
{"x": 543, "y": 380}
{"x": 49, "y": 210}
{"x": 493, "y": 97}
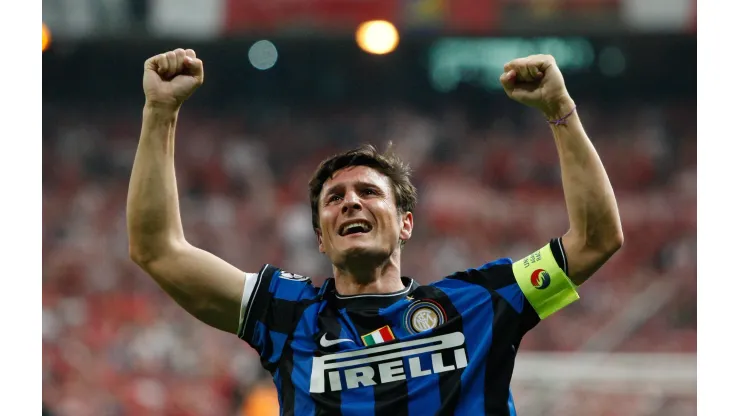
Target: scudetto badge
{"x": 423, "y": 315}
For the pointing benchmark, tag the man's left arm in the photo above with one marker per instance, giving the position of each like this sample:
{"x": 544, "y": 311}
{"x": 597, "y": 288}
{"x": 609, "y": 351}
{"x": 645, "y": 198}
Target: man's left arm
{"x": 595, "y": 232}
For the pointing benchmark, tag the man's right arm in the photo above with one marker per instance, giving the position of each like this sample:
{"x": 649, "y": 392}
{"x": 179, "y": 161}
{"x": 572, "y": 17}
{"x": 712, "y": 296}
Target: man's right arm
{"x": 204, "y": 285}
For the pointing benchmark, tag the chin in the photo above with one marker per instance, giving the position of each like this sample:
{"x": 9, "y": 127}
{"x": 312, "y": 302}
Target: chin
{"x": 365, "y": 254}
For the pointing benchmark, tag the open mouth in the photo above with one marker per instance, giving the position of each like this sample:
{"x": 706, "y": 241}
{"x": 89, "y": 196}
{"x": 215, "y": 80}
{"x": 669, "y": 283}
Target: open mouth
{"x": 355, "y": 227}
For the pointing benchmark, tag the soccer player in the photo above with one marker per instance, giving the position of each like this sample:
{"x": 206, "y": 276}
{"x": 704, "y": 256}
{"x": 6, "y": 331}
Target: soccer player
{"x": 370, "y": 340}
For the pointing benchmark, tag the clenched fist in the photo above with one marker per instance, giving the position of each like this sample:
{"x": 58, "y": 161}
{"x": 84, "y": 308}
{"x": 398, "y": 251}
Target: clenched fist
{"x": 536, "y": 81}
{"x": 170, "y": 78}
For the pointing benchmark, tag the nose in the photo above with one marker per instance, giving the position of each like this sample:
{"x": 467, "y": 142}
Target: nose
{"x": 351, "y": 203}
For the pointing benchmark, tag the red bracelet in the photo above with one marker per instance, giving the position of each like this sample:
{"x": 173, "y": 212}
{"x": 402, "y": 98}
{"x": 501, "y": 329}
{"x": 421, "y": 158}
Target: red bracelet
{"x": 561, "y": 121}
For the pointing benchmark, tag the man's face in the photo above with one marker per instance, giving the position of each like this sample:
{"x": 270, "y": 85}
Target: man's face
{"x": 359, "y": 220}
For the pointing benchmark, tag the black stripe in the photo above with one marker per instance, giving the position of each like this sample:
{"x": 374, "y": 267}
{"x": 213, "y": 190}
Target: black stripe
{"x": 493, "y": 277}
{"x": 329, "y": 402}
{"x": 287, "y": 388}
{"x": 257, "y": 305}
{"x": 390, "y": 398}
{"x": 508, "y": 326}
{"x": 500, "y": 360}
{"x": 449, "y": 382}
{"x": 558, "y": 251}
{"x": 283, "y": 318}
{"x": 284, "y": 315}
{"x": 285, "y": 364}
{"x": 497, "y": 277}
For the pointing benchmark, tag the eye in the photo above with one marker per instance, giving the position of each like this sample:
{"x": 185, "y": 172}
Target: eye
{"x": 369, "y": 191}
{"x": 333, "y": 198}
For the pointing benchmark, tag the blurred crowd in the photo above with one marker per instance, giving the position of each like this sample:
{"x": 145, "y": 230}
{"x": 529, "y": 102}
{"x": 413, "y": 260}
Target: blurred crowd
{"x": 489, "y": 187}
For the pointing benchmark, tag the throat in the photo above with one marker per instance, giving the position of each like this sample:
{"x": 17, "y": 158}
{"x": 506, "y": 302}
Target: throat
{"x": 383, "y": 279}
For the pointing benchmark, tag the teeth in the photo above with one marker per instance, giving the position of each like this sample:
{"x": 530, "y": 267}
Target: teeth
{"x": 364, "y": 226}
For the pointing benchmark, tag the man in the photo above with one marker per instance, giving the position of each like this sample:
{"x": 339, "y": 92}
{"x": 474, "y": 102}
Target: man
{"x": 370, "y": 341}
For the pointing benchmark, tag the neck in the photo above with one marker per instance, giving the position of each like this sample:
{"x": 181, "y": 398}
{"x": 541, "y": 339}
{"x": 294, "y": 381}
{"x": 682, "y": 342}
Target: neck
{"x": 364, "y": 279}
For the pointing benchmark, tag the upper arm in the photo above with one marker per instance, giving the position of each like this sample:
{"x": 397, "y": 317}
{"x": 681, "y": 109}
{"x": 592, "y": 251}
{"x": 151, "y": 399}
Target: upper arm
{"x": 584, "y": 259}
{"x": 206, "y": 286}
{"x": 272, "y": 306}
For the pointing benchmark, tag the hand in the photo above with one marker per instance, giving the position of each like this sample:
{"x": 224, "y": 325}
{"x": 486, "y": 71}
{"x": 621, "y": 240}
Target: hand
{"x": 170, "y": 78}
{"x": 536, "y": 81}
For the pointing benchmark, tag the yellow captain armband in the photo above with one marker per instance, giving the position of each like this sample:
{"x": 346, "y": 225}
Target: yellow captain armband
{"x": 544, "y": 283}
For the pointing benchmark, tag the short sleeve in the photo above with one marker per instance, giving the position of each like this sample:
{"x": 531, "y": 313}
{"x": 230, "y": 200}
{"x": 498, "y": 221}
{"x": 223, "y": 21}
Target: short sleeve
{"x": 272, "y": 310}
{"x": 535, "y": 287}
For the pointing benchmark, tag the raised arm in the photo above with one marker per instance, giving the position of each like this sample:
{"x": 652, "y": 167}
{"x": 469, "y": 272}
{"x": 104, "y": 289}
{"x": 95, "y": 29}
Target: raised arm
{"x": 207, "y": 287}
{"x": 595, "y": 232}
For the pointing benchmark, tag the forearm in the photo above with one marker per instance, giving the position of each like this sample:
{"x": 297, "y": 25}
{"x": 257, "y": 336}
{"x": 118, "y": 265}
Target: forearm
{"x": 595, "y": 231}
{"x": 152, "y": 210}
{"x": 592, "y": 207}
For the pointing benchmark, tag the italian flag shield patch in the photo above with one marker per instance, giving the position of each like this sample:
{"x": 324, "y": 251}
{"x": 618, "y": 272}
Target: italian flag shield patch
{"x": 378, "y": 336}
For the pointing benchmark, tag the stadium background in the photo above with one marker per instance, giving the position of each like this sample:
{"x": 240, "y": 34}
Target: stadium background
{"x": 486, "y": 168}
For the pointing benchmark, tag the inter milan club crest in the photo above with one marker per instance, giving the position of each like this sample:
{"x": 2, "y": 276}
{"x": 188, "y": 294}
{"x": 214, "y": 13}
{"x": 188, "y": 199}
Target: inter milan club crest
{"x": 423, "y": 315}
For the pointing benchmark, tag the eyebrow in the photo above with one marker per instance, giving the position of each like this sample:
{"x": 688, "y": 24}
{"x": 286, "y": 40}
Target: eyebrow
{"x": 361, "y": 184}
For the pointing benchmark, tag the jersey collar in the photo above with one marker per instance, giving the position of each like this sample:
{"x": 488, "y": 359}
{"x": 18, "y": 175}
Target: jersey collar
{"x": 365, "y": 301}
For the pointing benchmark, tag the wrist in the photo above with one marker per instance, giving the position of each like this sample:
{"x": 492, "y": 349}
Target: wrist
{"x": 559, "y": 108}
{"x": 161, "y": 111}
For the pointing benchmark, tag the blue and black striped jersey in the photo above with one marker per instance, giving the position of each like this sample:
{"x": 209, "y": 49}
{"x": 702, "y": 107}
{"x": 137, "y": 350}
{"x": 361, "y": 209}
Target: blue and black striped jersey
{"x": 443, "y": 348}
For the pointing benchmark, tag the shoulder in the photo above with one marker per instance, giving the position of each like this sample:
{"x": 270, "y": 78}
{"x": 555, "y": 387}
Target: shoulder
{"x": 283, "y": 284}
{"x": 537, "y": 279}
{"x": 492, "y": 275}
{"x": 273, "y": 295}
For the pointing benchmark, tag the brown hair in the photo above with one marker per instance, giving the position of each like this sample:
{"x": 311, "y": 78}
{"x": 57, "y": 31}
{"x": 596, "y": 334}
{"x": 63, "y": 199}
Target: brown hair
{"x": 387, "y": 163}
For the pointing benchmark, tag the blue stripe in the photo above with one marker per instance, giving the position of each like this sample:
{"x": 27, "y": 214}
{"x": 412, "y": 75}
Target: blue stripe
{"x": 423, "y": 397}
{"x": 512, "y": 409}
{"x": 477, "y": 328}
{"x": 513, "y": 294}
{"x": 359, "y": 401}
{"x": 278, "y": 343}
{"x": 291, "y": 290}
{"x": 301, "y": 375}
{"x": 259, "y": 337}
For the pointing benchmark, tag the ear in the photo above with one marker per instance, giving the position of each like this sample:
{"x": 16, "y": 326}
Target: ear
{"x": 319, "y": 240}
{"x": 407, "y": 226}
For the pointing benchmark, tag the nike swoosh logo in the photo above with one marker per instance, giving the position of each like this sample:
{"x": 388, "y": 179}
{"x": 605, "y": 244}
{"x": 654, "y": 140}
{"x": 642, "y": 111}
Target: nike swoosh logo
{"x": 329, "y": 342}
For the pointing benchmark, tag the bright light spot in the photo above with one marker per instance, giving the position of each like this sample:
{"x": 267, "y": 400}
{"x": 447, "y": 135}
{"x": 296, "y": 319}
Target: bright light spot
{"x": 377, "y": 37}
{"x": 263, "y": 55}
{"x": 612, "y": 61}
{"x": 45, "y": 37}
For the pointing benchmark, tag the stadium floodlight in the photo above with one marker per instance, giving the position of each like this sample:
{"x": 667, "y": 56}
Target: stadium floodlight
{"x": 377, "y": 37}
{"x": 45, "y": 37}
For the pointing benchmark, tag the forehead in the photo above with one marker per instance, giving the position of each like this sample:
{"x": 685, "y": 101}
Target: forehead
{"x": 356, "y": 174}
